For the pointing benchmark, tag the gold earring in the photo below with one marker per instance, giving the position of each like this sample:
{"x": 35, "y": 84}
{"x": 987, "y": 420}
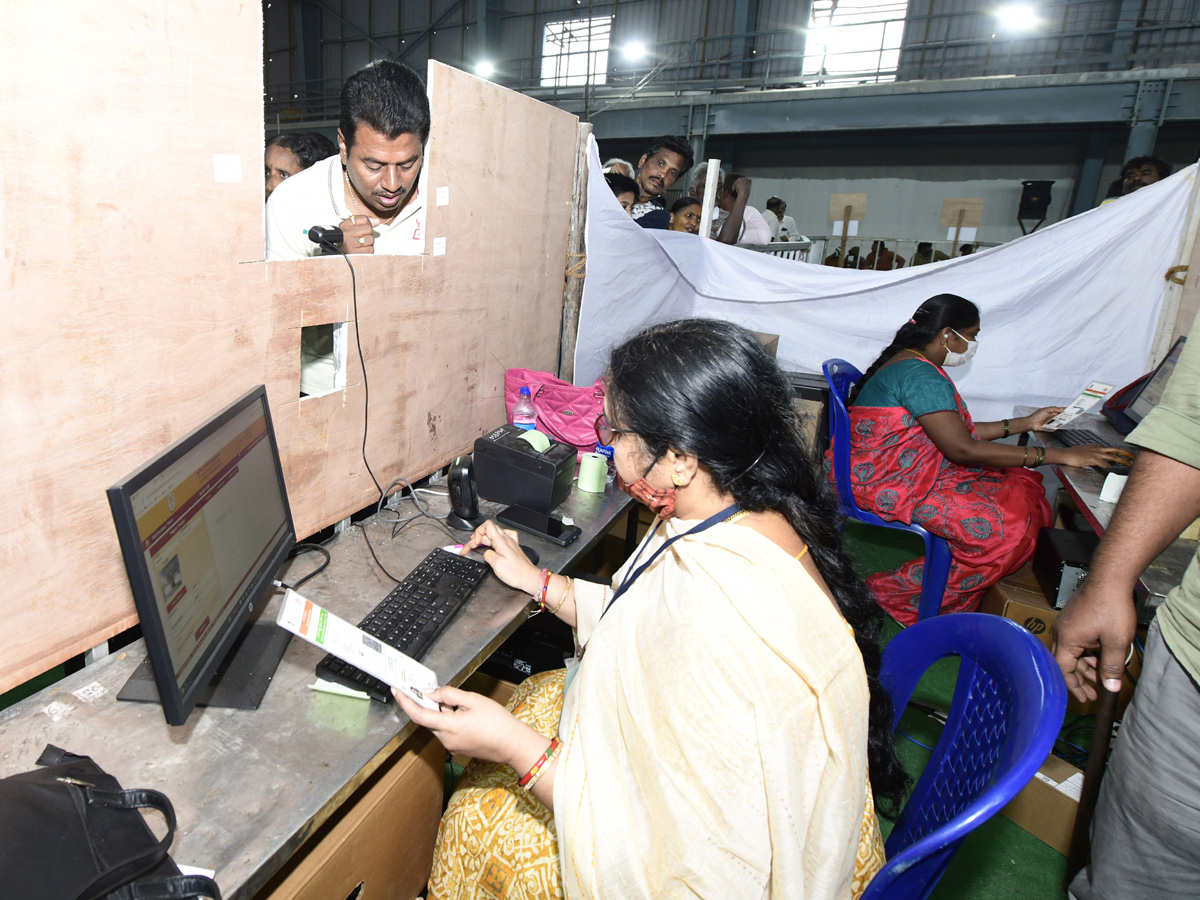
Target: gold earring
{"x": 677, "y": 481}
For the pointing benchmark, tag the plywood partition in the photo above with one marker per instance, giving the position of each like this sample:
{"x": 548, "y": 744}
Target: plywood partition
{"x": 137, "y": 303}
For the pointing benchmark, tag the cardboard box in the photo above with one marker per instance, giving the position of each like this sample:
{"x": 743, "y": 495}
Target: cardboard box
{"x": 1018, "y": 597}
{"x": 1046, "y": 807}
{"x": 770, "y": 341}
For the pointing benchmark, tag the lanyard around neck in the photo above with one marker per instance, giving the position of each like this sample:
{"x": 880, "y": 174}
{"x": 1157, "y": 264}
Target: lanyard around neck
{"x": 636, "y": 571}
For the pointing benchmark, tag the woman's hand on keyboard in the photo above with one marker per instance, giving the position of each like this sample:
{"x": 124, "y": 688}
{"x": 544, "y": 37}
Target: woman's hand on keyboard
{"x": 1090, "y": 455}
{"x": 504, "y": 554}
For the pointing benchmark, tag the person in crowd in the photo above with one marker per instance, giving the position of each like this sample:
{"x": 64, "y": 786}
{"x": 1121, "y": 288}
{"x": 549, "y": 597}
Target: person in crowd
{"x": 916, "y": 456}
{"x": 1145, "y": 828}
{"x": 925, "y": 254}
{"x": 624, "y": 188}
{"x": 369, "y": 190}
{"x": 1141, "y": 171}
{"x": 783, "y": 227}
{"x": 685, "y": 215}
{"x": 735, "y": 221}
{"x": 966, "y": 249}
{"x": 620, "y": 166}
{"x": 716, "y": 734}
{"x": 288, "y": 154}
{"x": 665, "y": 160}
{"x": 852, "y": 257}
{"x": 881, "y": 259}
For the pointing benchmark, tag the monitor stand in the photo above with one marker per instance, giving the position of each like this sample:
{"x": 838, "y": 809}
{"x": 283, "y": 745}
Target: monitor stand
{"x": 239, "y": 682}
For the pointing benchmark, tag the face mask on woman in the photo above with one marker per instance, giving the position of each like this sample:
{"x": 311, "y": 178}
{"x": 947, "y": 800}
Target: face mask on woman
{"x": 659, "y": 501}
{"x": 957, "y": 359}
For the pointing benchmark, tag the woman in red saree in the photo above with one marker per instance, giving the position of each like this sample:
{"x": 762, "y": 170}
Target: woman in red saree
{"x": 916, "y": 456}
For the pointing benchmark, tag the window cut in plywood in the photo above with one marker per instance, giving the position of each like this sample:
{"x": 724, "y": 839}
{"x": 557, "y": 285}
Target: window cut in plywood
{"x": 322, "y": 359}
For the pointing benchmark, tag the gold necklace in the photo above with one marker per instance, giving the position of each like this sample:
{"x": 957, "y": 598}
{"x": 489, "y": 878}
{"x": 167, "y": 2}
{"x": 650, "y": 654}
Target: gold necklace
{"x": 741, "y": 513}
{"x": 354, "y": 201}
{"x": 918, "y": 352}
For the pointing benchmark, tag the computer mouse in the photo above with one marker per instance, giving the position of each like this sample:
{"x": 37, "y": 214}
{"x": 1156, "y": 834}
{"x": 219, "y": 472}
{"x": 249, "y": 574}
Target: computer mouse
{"x": 529, "y": 552}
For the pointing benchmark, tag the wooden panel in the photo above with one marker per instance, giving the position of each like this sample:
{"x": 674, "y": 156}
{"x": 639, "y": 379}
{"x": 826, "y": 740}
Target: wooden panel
{"x": 381, "y": 839}
{"x": 137, "y": 302}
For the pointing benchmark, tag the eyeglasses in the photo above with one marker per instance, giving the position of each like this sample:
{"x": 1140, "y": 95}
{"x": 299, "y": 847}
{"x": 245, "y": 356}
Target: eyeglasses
{"x": 605, "y": 432}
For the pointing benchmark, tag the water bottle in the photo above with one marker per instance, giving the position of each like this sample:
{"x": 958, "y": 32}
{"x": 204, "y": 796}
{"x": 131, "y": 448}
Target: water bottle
{"x": 523, "y": 414}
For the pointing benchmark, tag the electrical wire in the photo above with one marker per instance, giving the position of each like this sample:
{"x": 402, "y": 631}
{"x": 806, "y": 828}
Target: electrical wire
{"x": 301, "y": 548}
{"x": 914, "y": 740}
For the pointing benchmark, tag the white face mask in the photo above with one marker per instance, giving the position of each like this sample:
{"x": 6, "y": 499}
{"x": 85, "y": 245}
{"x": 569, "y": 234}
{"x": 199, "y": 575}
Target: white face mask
{"x": 958, "y": 359}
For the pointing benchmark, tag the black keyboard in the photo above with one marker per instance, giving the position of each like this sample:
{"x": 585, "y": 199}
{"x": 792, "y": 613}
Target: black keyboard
{"x": 412, "y": 616}
{"x": 1075, "y": 437}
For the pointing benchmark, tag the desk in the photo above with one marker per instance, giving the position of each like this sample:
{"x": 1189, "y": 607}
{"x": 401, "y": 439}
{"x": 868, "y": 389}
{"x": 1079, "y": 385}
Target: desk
{"x": 1084, "y": 486}
{"x": 250, "y": 786}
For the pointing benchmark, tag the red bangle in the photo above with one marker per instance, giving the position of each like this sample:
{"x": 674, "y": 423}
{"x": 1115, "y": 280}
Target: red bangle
{"x": 540, "y": 594}
{"x": 527, "y": 780}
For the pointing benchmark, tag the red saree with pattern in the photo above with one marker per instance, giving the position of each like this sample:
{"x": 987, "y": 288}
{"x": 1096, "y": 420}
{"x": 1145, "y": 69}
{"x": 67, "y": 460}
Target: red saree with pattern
{"x": 989, "y": 516}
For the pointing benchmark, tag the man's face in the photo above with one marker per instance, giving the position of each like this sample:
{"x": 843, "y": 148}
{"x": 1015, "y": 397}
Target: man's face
{"x": 658, "y": 172}
{"x": 1139, "y": 178}
{"x": 383, "y": 172}
{"x": 279, "y": 163}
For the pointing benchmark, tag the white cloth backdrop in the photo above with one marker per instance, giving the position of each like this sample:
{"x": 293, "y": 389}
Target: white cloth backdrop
{"x": 1074, "y": 302}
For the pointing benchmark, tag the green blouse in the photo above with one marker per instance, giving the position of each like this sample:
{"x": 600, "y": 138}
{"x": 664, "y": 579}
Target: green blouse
{"x": 911, "y": 383}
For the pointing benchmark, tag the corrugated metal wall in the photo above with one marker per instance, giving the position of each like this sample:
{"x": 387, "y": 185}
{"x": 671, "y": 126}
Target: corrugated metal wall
{"x": 311, "y": 45}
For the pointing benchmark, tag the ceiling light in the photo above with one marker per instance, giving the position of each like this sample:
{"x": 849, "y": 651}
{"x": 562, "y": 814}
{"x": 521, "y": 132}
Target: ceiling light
{"x": 1017, "y": 17}
{"x": 635, "y": 51}
{"x": 484, "y": 69}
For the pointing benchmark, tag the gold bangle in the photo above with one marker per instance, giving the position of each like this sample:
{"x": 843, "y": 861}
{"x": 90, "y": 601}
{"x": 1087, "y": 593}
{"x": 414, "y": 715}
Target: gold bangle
{"x": 566, "y": 590}
{"x": 1025, "y": 457}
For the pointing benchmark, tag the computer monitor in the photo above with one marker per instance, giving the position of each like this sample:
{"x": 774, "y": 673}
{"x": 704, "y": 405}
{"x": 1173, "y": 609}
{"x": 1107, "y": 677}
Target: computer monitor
{"x": 203, "y": 528}
{"x": 1151, "y": 392}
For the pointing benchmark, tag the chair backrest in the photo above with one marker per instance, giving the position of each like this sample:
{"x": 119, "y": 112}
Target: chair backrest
{"x": 841, "y": 377}
{"x": 1006, "y": 713}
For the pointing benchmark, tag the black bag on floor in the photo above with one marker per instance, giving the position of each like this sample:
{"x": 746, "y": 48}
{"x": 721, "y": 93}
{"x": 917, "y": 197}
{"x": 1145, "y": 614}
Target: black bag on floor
{"x": 69, "y": 832}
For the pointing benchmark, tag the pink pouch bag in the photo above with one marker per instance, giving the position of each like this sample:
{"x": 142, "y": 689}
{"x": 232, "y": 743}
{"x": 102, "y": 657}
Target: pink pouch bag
{"x": 565, "y": 412}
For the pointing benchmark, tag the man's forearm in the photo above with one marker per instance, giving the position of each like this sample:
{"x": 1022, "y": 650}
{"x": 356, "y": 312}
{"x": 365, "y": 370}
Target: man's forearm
{"x": 1160, "y": 499}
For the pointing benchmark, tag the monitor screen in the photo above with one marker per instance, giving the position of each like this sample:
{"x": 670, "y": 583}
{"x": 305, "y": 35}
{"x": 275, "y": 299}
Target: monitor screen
{"x": 1151, "y": 392}
{"x": 203, "y": 527}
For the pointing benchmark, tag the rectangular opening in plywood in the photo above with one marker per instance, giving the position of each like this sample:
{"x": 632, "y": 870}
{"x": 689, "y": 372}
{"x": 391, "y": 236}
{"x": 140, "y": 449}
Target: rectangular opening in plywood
{"x": 322, "y": 359}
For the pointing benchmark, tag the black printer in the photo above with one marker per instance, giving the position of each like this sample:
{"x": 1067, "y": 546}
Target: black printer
{"x": 509, "y": 470}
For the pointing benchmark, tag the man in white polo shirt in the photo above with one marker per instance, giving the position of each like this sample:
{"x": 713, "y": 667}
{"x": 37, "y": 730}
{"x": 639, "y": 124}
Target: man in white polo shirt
{"x": 369, "y": 190}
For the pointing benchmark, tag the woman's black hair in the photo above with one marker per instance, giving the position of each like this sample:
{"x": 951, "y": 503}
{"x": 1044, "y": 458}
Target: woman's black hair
{"x": 622, "y": 184}
{"x": 710, "y": 388}
{"x": 683, "y": 203}
{"x": 309, "y": 147}
{"x": 938, "y": 312}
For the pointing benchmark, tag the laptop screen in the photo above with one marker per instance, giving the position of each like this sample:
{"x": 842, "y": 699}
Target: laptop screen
{"x": 1152, "y": 391}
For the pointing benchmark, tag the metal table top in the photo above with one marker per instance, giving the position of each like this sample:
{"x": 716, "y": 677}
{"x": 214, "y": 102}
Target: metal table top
{"x": 1085, "y": 485}
{"x": 250, "y": 786}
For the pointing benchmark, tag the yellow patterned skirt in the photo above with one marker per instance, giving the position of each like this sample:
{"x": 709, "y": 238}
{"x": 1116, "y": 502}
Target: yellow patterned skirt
{"x": 497, "y": 842}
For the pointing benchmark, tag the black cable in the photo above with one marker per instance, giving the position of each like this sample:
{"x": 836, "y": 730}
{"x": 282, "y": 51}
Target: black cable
{"x": 382, "y": 567}
{"x": 362, "y": 362}
{"x": 300, "y": 548}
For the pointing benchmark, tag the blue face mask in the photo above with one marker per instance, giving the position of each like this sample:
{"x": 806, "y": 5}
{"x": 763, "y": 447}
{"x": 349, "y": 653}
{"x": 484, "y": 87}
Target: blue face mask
{"x": 958, "y": 359}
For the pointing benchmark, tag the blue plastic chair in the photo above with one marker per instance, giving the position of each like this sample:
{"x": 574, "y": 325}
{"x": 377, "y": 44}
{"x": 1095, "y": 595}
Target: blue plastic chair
{"x": 1006, "y": 713}
{"x": 841, "y": 376}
